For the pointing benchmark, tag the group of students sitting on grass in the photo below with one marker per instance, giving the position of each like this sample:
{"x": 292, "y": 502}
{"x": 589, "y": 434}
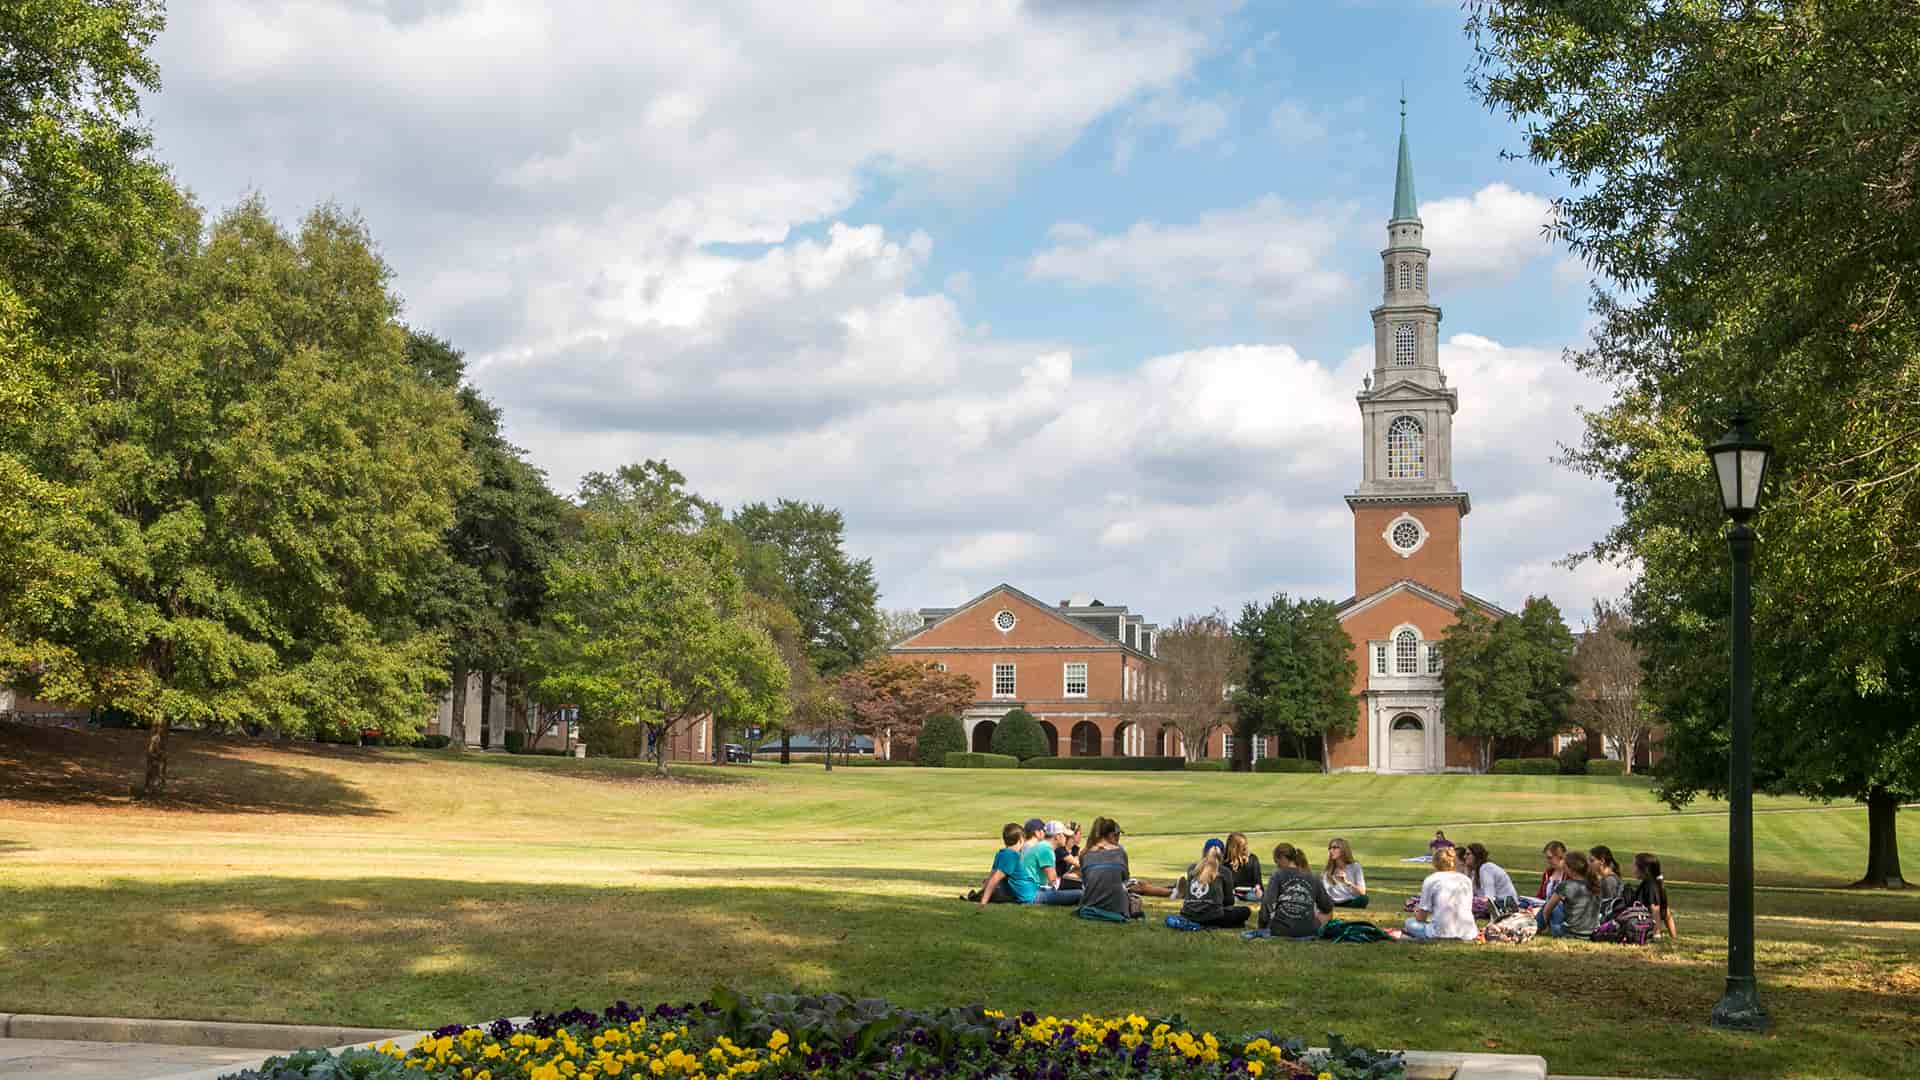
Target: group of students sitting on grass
{"x": 1046, "y": 862}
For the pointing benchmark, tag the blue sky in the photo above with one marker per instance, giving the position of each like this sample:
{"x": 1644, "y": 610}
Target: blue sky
{"x": 1067, "y": 294}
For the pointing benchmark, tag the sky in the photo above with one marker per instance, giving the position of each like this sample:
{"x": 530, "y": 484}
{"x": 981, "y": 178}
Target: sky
{"x": 1068, "y": 294}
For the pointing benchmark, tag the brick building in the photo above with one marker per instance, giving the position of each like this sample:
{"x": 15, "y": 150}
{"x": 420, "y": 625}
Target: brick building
{"x": 1079, "y": 666}
{"x": 1407, "y": 515}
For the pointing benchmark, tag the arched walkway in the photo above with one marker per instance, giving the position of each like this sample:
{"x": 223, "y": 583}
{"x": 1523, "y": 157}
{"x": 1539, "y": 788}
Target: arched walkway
{"x": 1122, "y": 736}
{"x": 1053, "y": 737}
{"x": 1407, "y": 744}
{"x": 1161, "y": 744}
{"x": 983, "y": 736}
{"x": 1086, "y": 739}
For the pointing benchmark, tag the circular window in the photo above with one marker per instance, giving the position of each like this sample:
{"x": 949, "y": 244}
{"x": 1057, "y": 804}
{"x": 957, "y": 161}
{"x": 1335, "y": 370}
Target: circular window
{"x": 1406, "y": 536}
{"x": 1004, "y": 621}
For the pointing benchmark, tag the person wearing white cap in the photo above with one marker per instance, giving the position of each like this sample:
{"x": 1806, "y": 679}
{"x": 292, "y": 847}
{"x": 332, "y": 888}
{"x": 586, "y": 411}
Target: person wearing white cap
{"x": 1066, "y": 860}
{"x": 1040, "y": 858}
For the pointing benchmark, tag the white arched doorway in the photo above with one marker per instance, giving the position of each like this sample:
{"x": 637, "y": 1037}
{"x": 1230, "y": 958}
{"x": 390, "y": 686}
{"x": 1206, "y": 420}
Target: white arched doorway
{"x": 1407, "y": 744}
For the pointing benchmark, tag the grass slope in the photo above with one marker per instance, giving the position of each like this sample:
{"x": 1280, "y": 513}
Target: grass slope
{"x": 336, "y": 885}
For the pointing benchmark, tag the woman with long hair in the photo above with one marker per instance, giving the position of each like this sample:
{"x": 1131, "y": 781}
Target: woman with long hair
{"x": 1612, "y": 886}
{"x": 1104, "y": 871}
{"x": 1652, "y": 891}
{"x": 1554, "y": 854}
{"x": 1574, "y": 908}
{"x": 1343, "y": 877}
{"x": 1489, "y": 878}
{"x": 1295, "y": 904}
{"x": 1205, "y": 896}
{"x": 1243, "y": 866}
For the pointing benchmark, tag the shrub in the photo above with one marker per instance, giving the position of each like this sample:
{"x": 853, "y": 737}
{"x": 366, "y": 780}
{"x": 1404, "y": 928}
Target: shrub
{"x": 1526, "y": 766}
{"x": 1286, "y": 764}
{"x": 1107, "y": 764}
{"x": 1207, "y": 765}
{"x": 940, "y": 736}
{"x": 1573, "y": 759}
{"x": 1604, "y": 767}
{"x": 436, "y": 742}
{"x": 1018, "y": 735}
{"x": 515, "y": 742}
{"x": 982, "y": 761}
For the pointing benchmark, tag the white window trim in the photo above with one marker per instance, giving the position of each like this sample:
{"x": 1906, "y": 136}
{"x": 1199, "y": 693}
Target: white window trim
{"x": 1393, "y": 646}
{"x": 1013, "y": 675}
{"x": 1433, "y": 658}
{"x": 1226, "y": 746}
{"x": 1410, "y": 463}
{"x": 1066, "y": 678}
{"x": 1012, "y": 621}
{"x": 1411, "y": 334}
{"x": 1380, "y": 659}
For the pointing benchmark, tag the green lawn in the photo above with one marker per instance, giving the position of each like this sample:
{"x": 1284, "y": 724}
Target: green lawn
{"x": 410, "y": 888}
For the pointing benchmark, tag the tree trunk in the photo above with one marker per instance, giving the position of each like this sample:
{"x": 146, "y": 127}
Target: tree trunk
{"x": 1486, "y": 754}
{"x": 458, "y": 726}
{"x": 660, "y": 750}
{"x": 1883, "y": 848}
{"x": 486, "y": 710}
{"x": 155, "y": 784}
{"x": 827, "y": 746}
{"x": 786, "y": 748}
{"x": 1626, "y": 755}
{"x": 1326, "y": 754}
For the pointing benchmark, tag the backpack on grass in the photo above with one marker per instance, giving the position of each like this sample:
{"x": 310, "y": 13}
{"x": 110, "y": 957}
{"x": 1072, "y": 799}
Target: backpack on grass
{"x": 1631, "y": 925}
{"x": 1181, "y": 922}
{"x": 1357, "y": 931}
{"x": 1516, "y": 929}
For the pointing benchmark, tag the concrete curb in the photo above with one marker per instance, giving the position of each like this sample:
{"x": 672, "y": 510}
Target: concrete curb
{"x": 185, "y": 1032}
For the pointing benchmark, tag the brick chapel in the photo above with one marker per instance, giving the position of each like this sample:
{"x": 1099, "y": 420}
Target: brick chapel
{"x": 1407, "y": 514}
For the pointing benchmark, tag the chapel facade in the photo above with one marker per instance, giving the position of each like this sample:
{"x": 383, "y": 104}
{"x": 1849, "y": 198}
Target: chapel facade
{"x": 1407, "y": 515}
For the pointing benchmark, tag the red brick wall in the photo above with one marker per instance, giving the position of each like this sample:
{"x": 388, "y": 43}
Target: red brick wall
{"x": 1376, "y": 564}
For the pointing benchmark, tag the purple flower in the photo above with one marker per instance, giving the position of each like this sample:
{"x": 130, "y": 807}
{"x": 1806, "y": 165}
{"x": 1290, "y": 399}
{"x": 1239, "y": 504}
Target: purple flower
{"x": 1112, "y": 1040}
{"x": 501, "y": 1028}
{"x": 448, "y": 1031}
{"x": 1028, "y": 1017}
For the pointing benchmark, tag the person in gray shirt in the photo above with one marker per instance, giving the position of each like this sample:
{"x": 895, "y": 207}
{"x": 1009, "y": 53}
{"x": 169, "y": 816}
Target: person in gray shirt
{"x": 1295, "y": 904}
{"x": 1104, "y": 871}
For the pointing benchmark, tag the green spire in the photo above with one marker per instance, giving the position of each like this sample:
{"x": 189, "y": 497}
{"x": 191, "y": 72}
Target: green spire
{"x": 1405, "y": 206}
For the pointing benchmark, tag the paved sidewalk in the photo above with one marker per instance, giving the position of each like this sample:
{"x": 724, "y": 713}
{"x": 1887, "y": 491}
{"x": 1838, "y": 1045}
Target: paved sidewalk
{"x": 70, "y": 1060}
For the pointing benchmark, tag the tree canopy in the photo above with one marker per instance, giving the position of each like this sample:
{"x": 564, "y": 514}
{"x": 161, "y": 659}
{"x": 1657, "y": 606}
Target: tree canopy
{"x": 1507, "y": 677}
{"x": 1745, "y": 181}
{"x": 1299, "y": 672}
{"x": 833, "y": 595}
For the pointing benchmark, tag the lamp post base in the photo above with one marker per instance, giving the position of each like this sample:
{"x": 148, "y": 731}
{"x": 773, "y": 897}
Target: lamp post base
{"x": 1740, "y": 1009}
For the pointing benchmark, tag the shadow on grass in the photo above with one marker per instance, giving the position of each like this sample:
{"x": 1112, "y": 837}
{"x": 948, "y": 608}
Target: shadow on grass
{"x": 620, "y": 770}
{"x": 94, "y": 767}
{"x": 422, "y": 952}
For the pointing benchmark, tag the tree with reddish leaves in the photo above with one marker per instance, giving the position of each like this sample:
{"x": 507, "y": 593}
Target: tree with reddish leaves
{"x": 888, "y": 700}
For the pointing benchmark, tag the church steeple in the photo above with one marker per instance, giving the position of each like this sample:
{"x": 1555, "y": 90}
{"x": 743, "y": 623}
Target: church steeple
{"x": 1405, "y": 206}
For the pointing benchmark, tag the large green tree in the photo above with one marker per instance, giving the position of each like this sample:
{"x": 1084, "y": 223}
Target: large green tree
{"x": 1744, "y": 182}
{"x": 1507, "y": 678}
{"x": 81, "y": 202}
{"x": 263, "y": 477}
{"x": 1298, "y": 676}
{"x": 833, "y": 594}
{"x": 649, "y": 627}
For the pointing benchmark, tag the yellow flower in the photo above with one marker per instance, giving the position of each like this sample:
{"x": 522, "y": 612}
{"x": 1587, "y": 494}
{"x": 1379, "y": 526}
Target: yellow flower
{"x": 1254, "y": 1068}
{"x": 777, "y": 1041}
{"x": 1324, "y": 1076}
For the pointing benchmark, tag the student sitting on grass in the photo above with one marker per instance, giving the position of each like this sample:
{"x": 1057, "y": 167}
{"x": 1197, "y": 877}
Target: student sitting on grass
{"x": 1008, "y": 881}
{"x": 1489, "y": 879}
{"x": 1439, "y": 841}
{"x": 1296, "y": 903}
{"x": 1652, "y": 891}
{"x": 1205, "y": 896}
{"x": 1574, "y": 908}
{"x": 1555, "y": 854}
{"x": 1243, "y": 866}
{"x": 1038, "y": 858}
{"x": 1612, "y": 886}
{"x": 1104, "y": 872}
{"x": 1066, "y": 853}
{"x": 1444, "y": 911}
{"x": 1345, "y": 881}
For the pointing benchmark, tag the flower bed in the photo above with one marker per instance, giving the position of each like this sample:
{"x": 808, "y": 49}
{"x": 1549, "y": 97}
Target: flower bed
{"x": 733, "y": 1037}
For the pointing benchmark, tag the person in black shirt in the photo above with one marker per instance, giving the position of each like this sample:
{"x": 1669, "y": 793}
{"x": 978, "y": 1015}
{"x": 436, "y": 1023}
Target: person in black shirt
{"x": 1244, "y": 867}
{"x": 1652, "y": 891}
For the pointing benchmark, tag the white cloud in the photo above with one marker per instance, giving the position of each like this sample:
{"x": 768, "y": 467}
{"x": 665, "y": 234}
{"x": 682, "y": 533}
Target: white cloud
{"x": 1193, "y": 122}
{"x": 1269, "y": 254}
{"x": 1295, "y": 123}
{"x": 1496, "y": 230}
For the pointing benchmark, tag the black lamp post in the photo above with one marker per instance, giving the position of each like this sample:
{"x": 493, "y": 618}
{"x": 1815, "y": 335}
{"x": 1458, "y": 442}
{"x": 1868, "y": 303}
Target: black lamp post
{"x": 1740, "y": 463}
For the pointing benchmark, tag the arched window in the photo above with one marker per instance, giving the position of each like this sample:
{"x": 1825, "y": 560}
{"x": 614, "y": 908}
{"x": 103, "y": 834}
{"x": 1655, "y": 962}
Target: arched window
{"x": 1388, "y": 283}
{"x": 1406, "y": 652}
{"x": 1405, "y": 350}
{"x": 1420, "y": 275}
{"x": 1406, "y": 274}
{"x": 1406, "y": 449}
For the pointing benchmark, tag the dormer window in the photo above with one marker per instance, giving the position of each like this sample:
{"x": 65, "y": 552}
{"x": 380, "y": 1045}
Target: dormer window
{"x": 1405, "y": 345}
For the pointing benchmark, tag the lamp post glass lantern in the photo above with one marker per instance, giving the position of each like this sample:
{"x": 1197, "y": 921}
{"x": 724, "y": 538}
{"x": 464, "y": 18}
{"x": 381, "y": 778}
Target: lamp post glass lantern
{"x": 1740, "y": 464}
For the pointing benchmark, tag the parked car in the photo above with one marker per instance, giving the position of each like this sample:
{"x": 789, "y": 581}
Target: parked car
{"x": 737, "y": 754}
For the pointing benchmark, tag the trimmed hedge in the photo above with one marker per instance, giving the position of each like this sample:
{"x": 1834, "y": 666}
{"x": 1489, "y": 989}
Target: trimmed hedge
{"x": 1018, "y": 735}
{"x": 1603, "y": 767}
{"x": 940, "y": 736}
{"x": 516, "y": 742}
{"x": 1107, "y": 764}
{"x": 982, "y": 761}
{"x": 1208, "y": 765}
{"x": 1286, "y": 764}
{"x": 436, "y": 742}
{"x": 1527, "y": 766}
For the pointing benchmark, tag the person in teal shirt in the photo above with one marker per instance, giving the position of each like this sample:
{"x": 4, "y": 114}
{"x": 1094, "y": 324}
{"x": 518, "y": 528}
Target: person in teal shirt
{"x": 1008, "y": 882}
{"x": 1037, "y": 860}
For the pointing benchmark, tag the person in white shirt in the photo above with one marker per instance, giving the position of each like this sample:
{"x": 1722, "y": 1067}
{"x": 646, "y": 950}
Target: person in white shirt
{"x": 1489, "y": 879}
{"x": 1345, "y": 881}
{"x": 1444, "y": 911}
